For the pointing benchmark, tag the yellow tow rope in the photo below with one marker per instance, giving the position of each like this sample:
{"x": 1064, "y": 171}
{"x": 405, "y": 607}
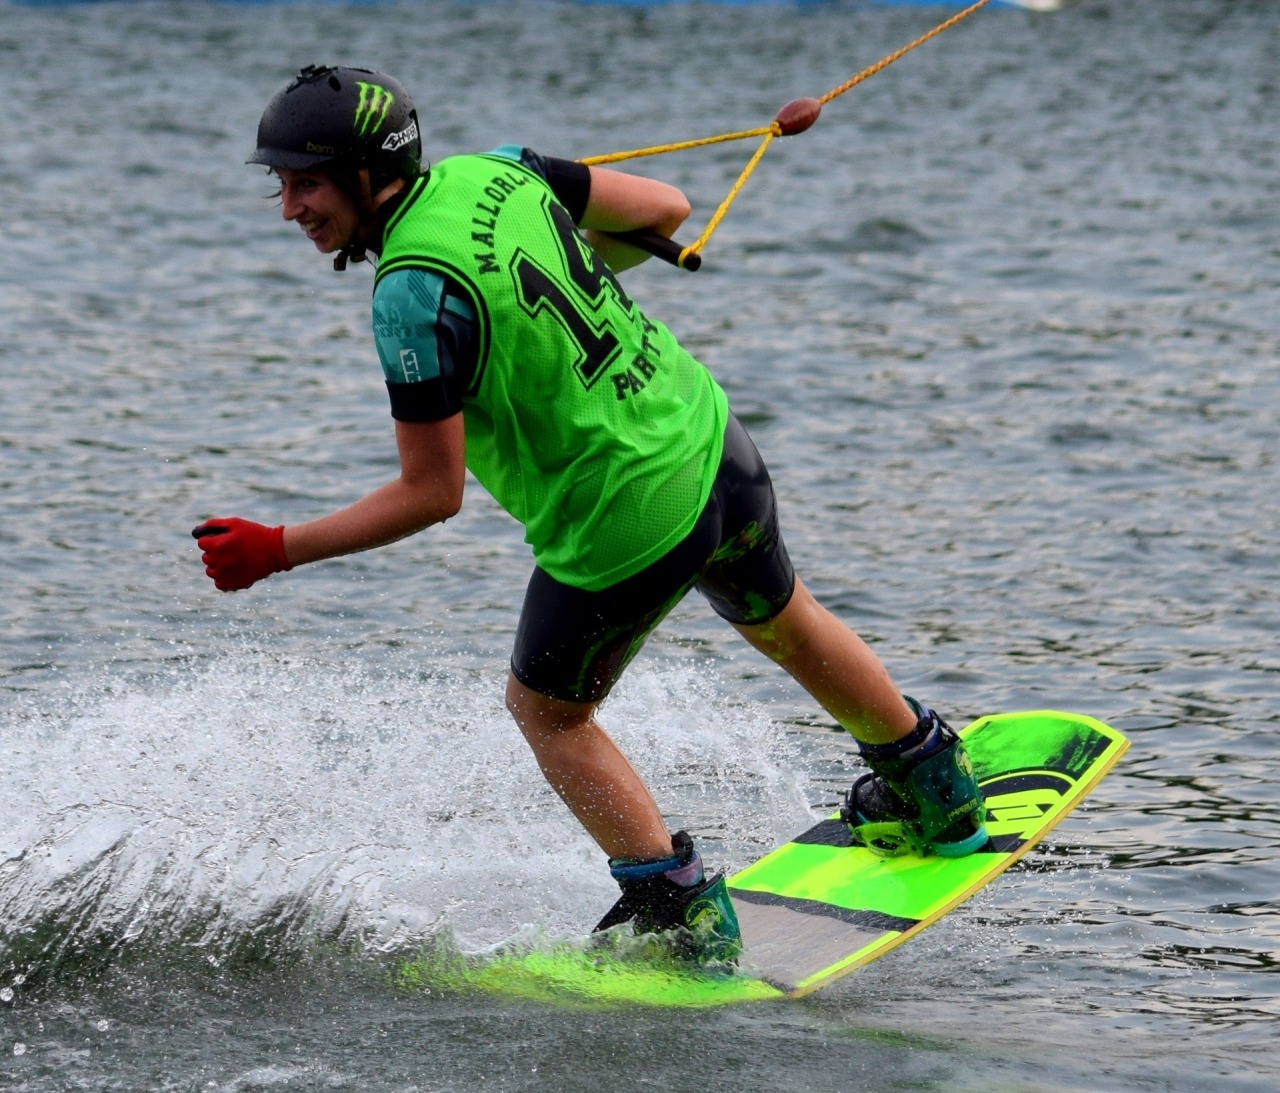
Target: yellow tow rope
{"x": 795, "y": 117}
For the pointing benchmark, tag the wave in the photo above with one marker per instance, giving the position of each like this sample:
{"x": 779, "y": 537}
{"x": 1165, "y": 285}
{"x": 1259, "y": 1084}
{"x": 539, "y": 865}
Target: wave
{"x": 258, "y": 811}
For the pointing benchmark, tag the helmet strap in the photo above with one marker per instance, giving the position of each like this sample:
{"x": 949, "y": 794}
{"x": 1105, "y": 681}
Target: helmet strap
{"x": 368, "y": 204}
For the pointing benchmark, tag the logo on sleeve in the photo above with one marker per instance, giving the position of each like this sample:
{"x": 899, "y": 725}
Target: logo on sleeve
{"x": 409, "y": 365}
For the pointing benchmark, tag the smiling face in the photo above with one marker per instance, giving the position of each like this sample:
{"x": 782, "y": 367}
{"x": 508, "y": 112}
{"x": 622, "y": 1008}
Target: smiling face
{"x": 325, "y": 212}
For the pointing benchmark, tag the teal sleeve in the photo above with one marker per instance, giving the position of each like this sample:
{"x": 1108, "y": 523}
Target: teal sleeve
{"x": 424, "y": 331}
{"x": 510, "y": 151}
{"x": 406, "y": 310}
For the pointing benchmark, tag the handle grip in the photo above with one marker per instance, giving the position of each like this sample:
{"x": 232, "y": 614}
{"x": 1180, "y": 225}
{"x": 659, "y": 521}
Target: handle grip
{"x": 659, "y": 246}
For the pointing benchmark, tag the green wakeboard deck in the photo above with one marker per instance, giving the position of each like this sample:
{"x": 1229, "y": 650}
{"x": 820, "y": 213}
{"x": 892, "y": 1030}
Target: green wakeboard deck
{"x": 818, "y": 907}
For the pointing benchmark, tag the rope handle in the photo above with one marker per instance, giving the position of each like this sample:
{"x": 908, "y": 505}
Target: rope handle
{"x": 660, "y": 247}
{"x": 795, "y": 117}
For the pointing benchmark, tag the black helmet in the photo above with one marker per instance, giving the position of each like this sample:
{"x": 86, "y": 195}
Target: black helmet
{"x": 347, "y": 117}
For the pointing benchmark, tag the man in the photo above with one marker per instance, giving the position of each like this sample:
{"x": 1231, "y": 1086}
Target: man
{"x": 510, "y": 349}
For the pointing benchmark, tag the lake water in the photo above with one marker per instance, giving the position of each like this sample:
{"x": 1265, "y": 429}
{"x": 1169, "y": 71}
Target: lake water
{"x": 1005, "y": 324}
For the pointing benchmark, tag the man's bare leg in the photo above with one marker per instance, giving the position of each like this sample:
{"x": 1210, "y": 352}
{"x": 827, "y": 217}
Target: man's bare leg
{"x": 836, "y": 667}
{"x": 591, "y": 774}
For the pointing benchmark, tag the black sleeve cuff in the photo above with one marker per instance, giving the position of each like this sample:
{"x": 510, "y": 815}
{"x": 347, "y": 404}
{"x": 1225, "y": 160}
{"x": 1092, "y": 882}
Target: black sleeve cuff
{"x": 424, "y": 400}
{"x": 570, "y": 181}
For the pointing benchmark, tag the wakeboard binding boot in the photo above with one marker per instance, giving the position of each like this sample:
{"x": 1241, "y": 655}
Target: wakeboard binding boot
{"x": 674, "y": 896}
{"x": 921, "y": 795}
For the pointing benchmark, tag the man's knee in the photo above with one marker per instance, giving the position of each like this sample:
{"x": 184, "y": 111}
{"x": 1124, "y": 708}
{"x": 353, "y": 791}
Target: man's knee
{"x": 537, "y": 713}
{"x": 785, "y": 635}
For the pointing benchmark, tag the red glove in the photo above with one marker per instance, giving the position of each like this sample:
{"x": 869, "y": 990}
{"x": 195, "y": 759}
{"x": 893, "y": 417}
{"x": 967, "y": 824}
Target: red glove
{"x": 236, "y": 552}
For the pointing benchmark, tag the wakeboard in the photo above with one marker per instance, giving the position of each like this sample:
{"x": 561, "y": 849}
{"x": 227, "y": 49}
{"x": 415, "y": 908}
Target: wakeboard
{"x": 820, "y": 906}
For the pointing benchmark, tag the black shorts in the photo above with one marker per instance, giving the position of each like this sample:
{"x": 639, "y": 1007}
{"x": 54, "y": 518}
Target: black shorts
{"x": 573, "y": 644}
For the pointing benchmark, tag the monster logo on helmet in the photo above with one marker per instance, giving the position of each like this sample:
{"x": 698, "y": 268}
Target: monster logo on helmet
{"x": 372, "y": 106}
{"x": 344, "y": 118}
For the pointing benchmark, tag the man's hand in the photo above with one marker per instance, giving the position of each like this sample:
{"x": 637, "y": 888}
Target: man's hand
{"x": 237, "y": 553}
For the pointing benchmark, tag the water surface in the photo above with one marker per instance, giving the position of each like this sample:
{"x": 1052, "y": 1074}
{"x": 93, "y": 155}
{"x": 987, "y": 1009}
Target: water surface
{"x": 1004, "y": 325}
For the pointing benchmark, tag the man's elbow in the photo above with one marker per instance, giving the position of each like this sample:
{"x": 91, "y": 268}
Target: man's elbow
{"x": 443, "y": 501}
{"x": 432, "y": 502}
{"x": 450, "y": 506}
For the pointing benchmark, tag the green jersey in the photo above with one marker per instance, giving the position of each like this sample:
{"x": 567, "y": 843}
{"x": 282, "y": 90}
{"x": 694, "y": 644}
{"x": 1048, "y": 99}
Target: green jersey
{"x": 584, "y": 418}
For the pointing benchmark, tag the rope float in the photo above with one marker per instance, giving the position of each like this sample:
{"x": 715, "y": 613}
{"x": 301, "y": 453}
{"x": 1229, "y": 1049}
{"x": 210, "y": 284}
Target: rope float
{"x": 795, "y": 117}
